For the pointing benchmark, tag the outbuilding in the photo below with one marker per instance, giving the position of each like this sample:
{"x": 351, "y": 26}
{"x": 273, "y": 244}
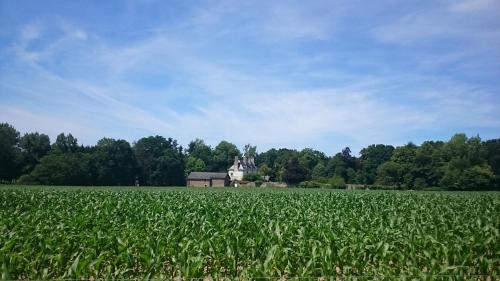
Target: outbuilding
{"x": 207, "y": 179}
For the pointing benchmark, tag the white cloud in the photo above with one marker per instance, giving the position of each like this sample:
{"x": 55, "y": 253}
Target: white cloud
{"x": 474, "y": 5}
{"x": 229, "y": 102}
{"x": 445, "y": 22}
{"x": 30, "y": 32}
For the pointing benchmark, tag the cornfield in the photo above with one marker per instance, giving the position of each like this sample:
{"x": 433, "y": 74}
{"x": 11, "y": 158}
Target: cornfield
{"x": 127, "y": 233}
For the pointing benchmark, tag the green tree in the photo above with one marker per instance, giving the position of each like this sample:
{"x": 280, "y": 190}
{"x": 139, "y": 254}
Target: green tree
{"x": 199, "y": 150}
{"x": 390, "y": 173}
{"x": 33, "y": 147}
{"x": 249, "y": 151}
{"x": 459, "y": 175}
{"x": 309, "y": 158}
{"x": 406, "y": 157}
{"x": 336, "y": 182}
{"x": 264, "y": 170}
{"x": 371, "y": 158}
{"x": 294, "y": 172}
{"x": 169, "y": 170}
{"x": 9, "y": 152}
{"x": 319, "y": 171}
{"x": 466, "y": 165}
{"x": 224, "y": 154}
{"x": 492, "y": 148}
{"x": 61, "y": 169}
{"x": 115, "y": 162}
{"x": 194, "y": 164}
{"x": 160, "y": 161}
{"x": 429, "y": 163}
{"x": 337, "y": 166}
{"x": 65, "y": 144}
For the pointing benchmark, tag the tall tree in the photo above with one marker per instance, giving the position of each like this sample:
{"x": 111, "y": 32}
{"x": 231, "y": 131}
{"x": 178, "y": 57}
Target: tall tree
{"x": 199, "y": 150}
{"x": 9, "y": 152}
{"x": 65, "y": 144}
{"x": 372, "y": 157}
{"x": 33, "y": 147}
{"x": 194, "y": 164}
{"x": 309, "y": 158}
{"x": 466, "y": 165}
{"x": 319, "y": 171}
{"x": 249, "y": 151}
{"x": 224, "y": 154}
{"x": 429, "y": 162}
{"x": 160, "y": 161}
{"x": 390, "y": 173}
{"x": 294, "y": 172}
{"x": 406, "y": 157}
{"x": 115, "y": 162}
{"x": 493, "y": 158}
{"x": 492, "y": 148}
{"x": 61, "y": 169}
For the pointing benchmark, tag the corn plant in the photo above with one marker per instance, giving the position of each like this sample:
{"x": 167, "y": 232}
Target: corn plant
{"x": 115, "y": 233}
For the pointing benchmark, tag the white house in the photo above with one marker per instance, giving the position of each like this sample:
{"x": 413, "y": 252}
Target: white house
{"x": 240, "y": 168}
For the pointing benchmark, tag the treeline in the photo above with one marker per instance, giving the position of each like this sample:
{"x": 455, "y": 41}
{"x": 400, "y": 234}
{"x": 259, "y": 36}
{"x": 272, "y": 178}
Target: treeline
{"x": 461, "y": 163}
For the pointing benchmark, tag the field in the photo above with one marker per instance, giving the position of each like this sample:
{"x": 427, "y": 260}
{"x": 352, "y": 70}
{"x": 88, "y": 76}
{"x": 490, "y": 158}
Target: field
{"x": 48, "y": 233}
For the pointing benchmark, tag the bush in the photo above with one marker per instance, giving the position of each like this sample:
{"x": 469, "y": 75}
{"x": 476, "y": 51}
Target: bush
{"x": 313, "y": 184}
{"x": 252, "y": 177}
{"x": 337, "y": 182}
{"x": 420, "y": 183}
{"x": 382, "y": 187}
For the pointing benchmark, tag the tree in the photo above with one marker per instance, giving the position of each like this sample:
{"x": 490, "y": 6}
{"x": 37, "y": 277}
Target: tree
{"x": 460, "y": 176}
{"x": 264, "y": 170}
{"x": 9, "y": 152}
{"x": 61, "y": 169}
{"x": 319, "y": 171}
{"x": 224, "y": 154}
{"x": 371, "y": 158}
{"x": 276, "y": 161}
{"x": 337, "y": 166}
{"x": 429, "y": 162}
{"x": 309, "y": 158}
{"x": 406, "y": 156}
{"x": 169, "y": 170}
{"x": 199, "y": 150}
{"x": 194, "y": 164}
{"x": 33, "y": 147}
{"x": 294, "y": 172}
{"x": 492, "y": 148}
{"x": 160, "y": 161}
{"x": 115, "y": 162}
{"x": 466, "y": 165}
{"x": 249, "y": 151}
{"x": 390, "y": 173}
{"x": 65, "y": 144}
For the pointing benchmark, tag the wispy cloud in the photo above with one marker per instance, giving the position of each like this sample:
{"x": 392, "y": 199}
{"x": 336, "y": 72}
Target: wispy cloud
{"x": 272, "y": 74}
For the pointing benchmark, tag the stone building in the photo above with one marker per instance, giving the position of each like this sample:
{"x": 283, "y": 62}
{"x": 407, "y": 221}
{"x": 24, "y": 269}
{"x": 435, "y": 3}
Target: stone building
{"x": 206, "y": 179}
{"x": 241, "y": 167}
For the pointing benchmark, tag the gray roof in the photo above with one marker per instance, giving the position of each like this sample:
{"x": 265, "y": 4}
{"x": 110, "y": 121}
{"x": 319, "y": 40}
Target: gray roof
{"x": 206, "y": 176}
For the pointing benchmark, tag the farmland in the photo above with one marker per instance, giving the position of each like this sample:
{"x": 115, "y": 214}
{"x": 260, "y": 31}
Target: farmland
{"x": 177, "y": 232}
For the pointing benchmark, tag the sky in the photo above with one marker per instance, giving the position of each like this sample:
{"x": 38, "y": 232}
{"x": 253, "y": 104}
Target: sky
{"x": 294, "y": 74}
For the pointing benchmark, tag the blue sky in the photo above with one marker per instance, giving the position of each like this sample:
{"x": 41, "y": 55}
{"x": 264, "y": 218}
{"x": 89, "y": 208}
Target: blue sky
{"x": 325, "y": 74}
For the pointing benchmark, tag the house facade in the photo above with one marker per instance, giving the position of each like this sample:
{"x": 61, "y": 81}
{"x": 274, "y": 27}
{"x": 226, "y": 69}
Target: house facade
{"x": 241, "y": 167}
{"x": 207, "y": 179}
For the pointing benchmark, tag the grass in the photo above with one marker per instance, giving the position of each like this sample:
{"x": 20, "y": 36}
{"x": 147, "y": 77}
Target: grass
{"x": 150, "y": 232}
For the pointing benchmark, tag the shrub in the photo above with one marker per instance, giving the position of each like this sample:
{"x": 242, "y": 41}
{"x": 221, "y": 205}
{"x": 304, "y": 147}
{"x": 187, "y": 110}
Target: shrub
{"x": 420, "y": 183}
{"x": 252, "y": 177}
{"x": 337, "y": 182}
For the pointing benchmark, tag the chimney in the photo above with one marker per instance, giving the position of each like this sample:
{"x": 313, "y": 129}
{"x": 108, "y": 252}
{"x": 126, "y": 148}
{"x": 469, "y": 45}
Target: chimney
{"x": 236, "y": 163}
